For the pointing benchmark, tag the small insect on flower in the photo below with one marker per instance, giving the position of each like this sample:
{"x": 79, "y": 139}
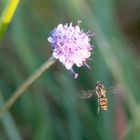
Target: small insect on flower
{"x": 71, "y": 45}
{"x": 100, "y": 92}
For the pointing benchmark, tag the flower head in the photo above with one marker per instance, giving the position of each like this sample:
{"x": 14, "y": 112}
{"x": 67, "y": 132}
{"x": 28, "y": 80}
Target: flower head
{"x": 71, "y": 45}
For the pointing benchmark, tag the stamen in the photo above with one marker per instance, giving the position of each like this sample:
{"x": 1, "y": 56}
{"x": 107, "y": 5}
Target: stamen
{"x": 87, "y": 65}
{"x": 74, "y": 73}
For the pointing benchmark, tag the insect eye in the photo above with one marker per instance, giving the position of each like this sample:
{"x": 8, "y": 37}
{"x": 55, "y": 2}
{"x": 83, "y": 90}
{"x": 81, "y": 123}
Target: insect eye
{"x": 97, "y": 84}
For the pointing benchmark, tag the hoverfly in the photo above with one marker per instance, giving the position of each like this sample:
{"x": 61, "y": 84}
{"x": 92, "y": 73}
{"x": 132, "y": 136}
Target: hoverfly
{"x": 100, "y": 92}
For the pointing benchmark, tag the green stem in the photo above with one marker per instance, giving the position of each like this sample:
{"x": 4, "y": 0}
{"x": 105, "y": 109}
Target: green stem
{"x": 25, "y": 85}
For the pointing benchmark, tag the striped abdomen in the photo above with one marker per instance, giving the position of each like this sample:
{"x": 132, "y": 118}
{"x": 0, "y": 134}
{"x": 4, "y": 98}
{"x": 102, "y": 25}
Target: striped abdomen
{"x": 101, "y": 94}
{"x": 103, "y": 102}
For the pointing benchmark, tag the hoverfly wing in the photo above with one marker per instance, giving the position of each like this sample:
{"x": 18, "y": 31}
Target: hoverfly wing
{"x": 114, "y": 89}
{"x": 87, "y": 94}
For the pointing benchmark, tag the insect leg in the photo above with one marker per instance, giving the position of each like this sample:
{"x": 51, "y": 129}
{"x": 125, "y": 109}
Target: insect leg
{"x": 98, "y": 106}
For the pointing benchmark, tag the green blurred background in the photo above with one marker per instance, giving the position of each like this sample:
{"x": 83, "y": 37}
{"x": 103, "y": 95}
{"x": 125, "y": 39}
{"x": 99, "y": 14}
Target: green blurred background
{"x": 51, "y": 108}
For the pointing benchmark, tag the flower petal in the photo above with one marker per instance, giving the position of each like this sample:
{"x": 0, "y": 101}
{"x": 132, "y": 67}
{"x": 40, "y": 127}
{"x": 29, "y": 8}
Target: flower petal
{"x": 71, "y": 45}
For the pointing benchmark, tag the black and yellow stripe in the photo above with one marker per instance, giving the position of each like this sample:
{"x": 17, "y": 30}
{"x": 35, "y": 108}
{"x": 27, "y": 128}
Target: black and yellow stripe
{"x": 101, "y": 94}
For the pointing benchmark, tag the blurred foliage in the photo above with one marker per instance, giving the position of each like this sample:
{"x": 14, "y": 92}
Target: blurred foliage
{"x": 51, "y": 108}
{"x": 7, "y": 15}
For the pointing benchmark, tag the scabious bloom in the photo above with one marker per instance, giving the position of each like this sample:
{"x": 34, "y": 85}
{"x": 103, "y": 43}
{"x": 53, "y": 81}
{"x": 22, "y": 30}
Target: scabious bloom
{"x": 71, "y": 45}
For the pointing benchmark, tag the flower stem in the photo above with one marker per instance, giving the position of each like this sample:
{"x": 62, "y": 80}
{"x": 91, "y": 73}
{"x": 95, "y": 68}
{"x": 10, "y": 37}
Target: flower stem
{"x": 25, "y": 85}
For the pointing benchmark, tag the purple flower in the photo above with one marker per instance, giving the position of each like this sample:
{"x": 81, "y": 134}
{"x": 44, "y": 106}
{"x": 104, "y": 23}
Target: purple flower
{"x": 71, "y": 45}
